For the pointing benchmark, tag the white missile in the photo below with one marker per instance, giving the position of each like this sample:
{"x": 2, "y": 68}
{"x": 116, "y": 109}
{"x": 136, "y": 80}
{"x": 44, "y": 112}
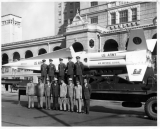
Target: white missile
{"x": 138, "y": 53}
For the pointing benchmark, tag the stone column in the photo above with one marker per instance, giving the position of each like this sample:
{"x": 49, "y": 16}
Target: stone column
{"x": 117, "y": 17}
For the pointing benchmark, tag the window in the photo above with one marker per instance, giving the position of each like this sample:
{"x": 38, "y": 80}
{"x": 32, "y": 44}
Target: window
{"x": 71, "y": 4}
{"x": 65, "y": 21}
{"x": 94, "y": 3}
{"x": 123, "y": 16}
{"x": 94, "y": 20}
{"x": 59, "y": 13}
{"x": 71, "y": 11}
{"x": 113, "y": 18}
{"x": 91, "y": 43}
{"x": 59, "y": 4}
{"x": 59, "y": 21}
{"x": 71, "y": 20}
{"x": 134, "y": 14}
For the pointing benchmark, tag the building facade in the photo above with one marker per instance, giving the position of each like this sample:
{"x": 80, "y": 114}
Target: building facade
{"x": 11, "y": 28}
{"x": 64, "y": 14}
{"x": 97, "y": 27}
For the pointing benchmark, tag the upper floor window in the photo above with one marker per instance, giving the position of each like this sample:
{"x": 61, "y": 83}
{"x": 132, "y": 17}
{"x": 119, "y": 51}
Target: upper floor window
{"x": 94, "y": 19}
{"x": 59, "y": 4}
{"x": 123, "y": 16}
{"x": 71, "y": 20}
{"x": 134, "y": 14}
{"x": 59, "y": 13}
{"x": 113, "y": 18}
{"x": 71, "y": 11}
{"x": 94, "y": 3}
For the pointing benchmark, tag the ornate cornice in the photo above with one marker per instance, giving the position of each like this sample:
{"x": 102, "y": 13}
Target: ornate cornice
{"x": 129, "y": 28}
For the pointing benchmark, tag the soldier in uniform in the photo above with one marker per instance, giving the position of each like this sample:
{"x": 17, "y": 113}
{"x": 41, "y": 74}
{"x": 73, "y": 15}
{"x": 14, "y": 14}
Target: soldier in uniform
{"x": 78, "y": 96}
{"x": 30, "y": 92}
{"x": 79, "y": 67}
{"x": 70, "y": 69}
{"x": 44, "y": 69}
{"x": 61, "y": 69}
{"x": 40, "y": 93}
{"x": 51, "y": 70}
{"x": 47, "y": 89}
{"x": 70, "y": 94}
{"x": 63, "y": 93}
{"x": 55, "y": 93}
{"x": 86, "y": 96}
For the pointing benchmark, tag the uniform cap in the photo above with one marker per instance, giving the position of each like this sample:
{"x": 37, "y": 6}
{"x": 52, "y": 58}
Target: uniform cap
{"x": 43, "y": 60}
{"x": 77, "y": 57}
{"x": 69, "y": 57}
{"x": 50, "y": 60}
{"x": 70, "y": 79}
{"x": 60, "y": 59}
{"x": 47, "y": 79}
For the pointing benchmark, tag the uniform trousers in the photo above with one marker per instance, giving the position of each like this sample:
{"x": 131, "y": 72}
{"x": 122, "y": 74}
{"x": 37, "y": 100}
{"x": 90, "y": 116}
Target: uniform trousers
{"x": 40, "y": 101}
{"x": 78, "y": 104}
{"x": 51, "y": 78}
{"x": 30, "y": 101}
{"x": 44, "y": 79}
{"x": 79, "y": 78}
{"x": 55, "y": 103}
{"x": 63, "y": 103}
{"x": 70, "y": 103}
{"x": 48, "y": 102}
{"x": 86, "y": 105}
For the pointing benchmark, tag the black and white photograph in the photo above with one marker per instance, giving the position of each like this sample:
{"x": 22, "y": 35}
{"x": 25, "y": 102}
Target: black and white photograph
{"x": 79, "y": 63}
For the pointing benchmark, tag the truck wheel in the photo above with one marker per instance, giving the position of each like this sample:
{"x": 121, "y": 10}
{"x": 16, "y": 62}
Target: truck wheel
{"x": 151, "y": 107}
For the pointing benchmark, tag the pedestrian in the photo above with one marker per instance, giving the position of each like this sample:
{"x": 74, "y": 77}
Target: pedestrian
{"x": 63, "y": 93}
{"x": 51, "y": 70}
{"x": 70, "y": 95}
{"x": 70, "y": 69}
{"x": 30, "y": 92}
{"x": 40, "y": 93}
{"x": 55, "y": 93}
{"x": 79, "y": 67}
{"x": 86, "y": 96}
{"x": 61, "y": 69}
{"x": 44, "y": 70}
{"x": 78, "y": 96}
{"x": 47, "y": 89}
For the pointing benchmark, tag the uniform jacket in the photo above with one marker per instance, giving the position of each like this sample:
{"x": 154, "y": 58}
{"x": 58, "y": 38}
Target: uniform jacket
{"x": 47, "y": 89}
{"x": 78, "y": 92}
{"x": 40, "y": 89}
{"x": 61, "y": 68}
{"x": 51, "y": 69}
{"x": 44, "y": 69}
{"x": 87, "y": 91}
{"x": 79, "y": 68}
{"x": 70, "y": 90}
{"x": 70, "y": 68}
{"x": 55, "y": 89}
{"x": 30, "y": 89}
{"x": 63, "y": 90}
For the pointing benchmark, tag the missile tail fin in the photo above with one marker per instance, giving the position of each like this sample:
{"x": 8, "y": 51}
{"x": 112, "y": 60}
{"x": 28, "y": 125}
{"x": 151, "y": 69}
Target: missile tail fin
{"x": 137, "y": 40}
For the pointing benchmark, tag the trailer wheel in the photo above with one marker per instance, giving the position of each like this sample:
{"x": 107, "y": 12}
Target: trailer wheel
{"x": 151, "y": 108}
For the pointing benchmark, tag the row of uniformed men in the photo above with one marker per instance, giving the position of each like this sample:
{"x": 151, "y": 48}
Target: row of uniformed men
{"x": 71, "y": 69}
{"x": 67, "y": 94}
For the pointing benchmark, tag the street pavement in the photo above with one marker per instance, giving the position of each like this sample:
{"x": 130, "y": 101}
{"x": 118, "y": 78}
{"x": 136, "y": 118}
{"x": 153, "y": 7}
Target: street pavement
{"x": 102, "y": 113}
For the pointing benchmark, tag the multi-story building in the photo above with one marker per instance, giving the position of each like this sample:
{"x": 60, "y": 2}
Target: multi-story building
{"x": 64, "y": 14}
{"x": 97, "y": 27}
{"x": 11, "y": 28}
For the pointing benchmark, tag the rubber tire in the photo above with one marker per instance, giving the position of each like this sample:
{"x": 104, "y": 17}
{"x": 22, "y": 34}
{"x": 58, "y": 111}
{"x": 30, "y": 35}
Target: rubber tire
{"x": 148, "y": 108}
